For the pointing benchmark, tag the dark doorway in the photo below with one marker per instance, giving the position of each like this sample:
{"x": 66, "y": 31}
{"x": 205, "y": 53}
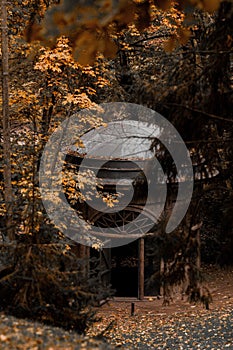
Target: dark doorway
{"x": 124, "y": 272}
{"x": 151, "y": 268}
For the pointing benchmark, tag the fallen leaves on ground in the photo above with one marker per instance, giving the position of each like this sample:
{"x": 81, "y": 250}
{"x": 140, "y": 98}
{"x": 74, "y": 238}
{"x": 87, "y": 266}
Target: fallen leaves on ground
{"x": 21, "y": 334}
{"x": 178, "y": 326}
{"x": 192, "y": 330}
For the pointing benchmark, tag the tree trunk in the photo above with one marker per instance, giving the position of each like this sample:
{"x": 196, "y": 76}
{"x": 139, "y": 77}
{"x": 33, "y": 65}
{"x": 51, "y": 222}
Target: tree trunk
{"x": 8, "y": 192}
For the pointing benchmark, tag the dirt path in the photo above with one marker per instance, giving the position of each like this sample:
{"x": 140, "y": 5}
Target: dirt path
{"x": 180, "y": 325}
{"x": 219, "y": 282}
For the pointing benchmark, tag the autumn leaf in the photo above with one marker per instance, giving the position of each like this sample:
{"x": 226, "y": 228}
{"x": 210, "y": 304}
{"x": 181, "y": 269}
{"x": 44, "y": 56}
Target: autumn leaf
{"x": 170, "y": 44}
{"x": 184, "y": 35}
{"x": 211, "y": 5}
{"x": 86, "y": 48}
{"x": 163, "y": 4}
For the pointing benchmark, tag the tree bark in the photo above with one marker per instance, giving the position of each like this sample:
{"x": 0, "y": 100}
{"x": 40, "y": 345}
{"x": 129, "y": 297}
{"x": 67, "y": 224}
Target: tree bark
{"x": 8, "y": 192}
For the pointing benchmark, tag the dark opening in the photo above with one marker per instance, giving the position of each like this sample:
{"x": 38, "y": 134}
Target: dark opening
{"x": 151, "y": 268}
{"x": 124, "y": 274}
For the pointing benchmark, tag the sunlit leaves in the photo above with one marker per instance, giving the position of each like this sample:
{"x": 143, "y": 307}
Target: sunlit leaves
{"x": 92, "y": 26}
{"x": 46, "y": 85}
{"x": 110, "y": 200}
{"x": 206, "y": 5}
{"x": 81, "y": 100}
{"x": 22, "y": 99}
{"x": 54, "y": 59}
{"x": 24, "y": 16}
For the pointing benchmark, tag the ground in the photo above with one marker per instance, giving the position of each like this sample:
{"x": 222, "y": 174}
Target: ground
{"x": 180, "y": 325}
{"x": 154, "y": 326}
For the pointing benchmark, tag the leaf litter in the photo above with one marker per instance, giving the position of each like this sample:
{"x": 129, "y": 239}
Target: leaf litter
{"x": 154, "y": 326}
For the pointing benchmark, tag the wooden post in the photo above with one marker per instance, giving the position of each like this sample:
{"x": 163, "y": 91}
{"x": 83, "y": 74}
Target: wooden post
{"x": 141, "y": 269}
{"x": 132, "y": 309}
{"x": 105, "y": 258}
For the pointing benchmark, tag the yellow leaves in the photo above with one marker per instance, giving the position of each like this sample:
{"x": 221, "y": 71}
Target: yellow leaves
{"x": 206, "y": 5}
{"x": 54, "y": 59}
{"x": 63, "y": 43}
{"x": 22, "y": 98}
{"x": 91, "y": 27}
{"x": 101, "y": 82}
{"x": 21, "y": 94}
{"x": 91, "y": 91}
{"x": 26, "y": 2}
{"x": 56, "y": 68}
{"x": 70, "y": 98}
{"x": 79, "y": 143}
{"x": 81, "y": 100}
{"x": 23, "y": 191}
{"x": 97, "y": 246}
{"x": 171, "y": 19}
{"x": 45, "y": 62}
{"x": 92, "y": 121}
{"x": 3, "y": 209}
{"x": 88, "y": 70}
{"x": 110, "y": 200}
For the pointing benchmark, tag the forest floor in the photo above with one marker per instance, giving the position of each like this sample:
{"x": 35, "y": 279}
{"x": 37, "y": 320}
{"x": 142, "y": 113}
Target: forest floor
{"x": 178, "y": 326}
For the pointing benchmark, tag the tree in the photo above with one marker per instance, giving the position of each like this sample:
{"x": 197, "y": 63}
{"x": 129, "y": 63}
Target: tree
{"x": 46, "y": 85}
{"x": 8, "y": 192}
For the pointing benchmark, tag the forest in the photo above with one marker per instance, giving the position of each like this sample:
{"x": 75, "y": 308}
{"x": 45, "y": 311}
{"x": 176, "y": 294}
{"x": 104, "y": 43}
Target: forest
{"x": 60, "y": 59}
